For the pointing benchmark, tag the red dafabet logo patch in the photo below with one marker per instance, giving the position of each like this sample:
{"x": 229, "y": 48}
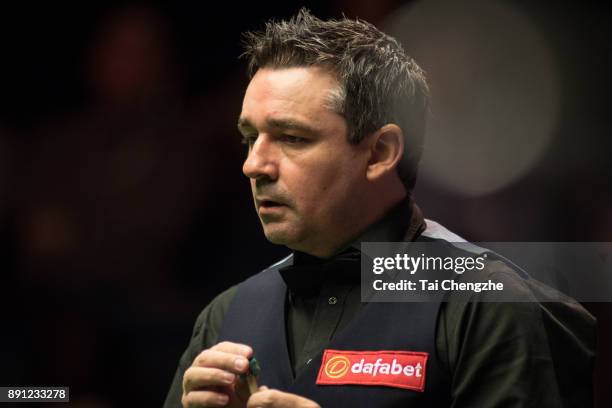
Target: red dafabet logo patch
{"x": 401, "y": 369}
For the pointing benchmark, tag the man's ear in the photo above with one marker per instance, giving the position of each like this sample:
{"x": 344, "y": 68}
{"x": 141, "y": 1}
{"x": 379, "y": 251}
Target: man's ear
{"x": 386, "y": 151}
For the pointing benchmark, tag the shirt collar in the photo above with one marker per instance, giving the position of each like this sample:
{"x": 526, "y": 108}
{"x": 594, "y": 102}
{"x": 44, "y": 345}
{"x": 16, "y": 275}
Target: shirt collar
{"x": 404, "y": 222}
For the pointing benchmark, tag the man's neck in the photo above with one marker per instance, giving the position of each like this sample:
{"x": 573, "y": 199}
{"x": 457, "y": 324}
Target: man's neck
{"x": 373, "y": 215}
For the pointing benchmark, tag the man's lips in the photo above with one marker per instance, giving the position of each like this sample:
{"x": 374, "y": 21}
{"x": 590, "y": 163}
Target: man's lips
{"x": 268, "y": 203}
{"x": 270, "y": 208}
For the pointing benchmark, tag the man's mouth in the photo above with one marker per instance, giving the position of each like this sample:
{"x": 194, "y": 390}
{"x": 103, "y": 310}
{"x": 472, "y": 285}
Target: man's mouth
{"x": 269, "y": 204}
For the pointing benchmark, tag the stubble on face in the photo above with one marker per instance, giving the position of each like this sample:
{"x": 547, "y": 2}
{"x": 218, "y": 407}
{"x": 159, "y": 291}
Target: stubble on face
{"x": 303, "y": 173}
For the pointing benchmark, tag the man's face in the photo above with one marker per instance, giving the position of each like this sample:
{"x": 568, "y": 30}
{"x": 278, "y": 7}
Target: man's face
{"x": 306, "y": 178}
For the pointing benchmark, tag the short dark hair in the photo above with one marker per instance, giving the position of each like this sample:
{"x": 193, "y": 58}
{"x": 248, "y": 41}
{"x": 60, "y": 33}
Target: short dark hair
{"x": 379, "y": 82}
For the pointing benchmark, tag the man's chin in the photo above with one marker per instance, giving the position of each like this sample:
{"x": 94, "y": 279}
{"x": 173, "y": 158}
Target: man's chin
{"x": 278, "y": 235}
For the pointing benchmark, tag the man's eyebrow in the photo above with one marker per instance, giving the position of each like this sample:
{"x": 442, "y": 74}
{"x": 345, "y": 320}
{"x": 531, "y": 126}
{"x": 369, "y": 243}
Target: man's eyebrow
{"x": 284, "y": 124}
{"x": 290, "y": 124}
{"x": 244, "y": 123}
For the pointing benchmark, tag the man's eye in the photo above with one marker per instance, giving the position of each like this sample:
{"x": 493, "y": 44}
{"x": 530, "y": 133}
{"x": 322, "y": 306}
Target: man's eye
{"x": 292, "y": 139}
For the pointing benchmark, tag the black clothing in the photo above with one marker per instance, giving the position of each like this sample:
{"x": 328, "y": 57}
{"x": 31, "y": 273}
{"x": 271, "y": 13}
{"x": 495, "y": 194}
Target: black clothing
{"x": 376, "y": 327}
{"x": 497, "y": 354}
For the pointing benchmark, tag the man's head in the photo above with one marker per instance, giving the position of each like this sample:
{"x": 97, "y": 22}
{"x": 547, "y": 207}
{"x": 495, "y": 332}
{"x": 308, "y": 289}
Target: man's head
{"x": 334, "y": 117}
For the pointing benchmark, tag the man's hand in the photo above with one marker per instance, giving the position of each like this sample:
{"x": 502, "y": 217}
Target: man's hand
{"x": 213, "y": 378}
{"x": 267, "y": 398}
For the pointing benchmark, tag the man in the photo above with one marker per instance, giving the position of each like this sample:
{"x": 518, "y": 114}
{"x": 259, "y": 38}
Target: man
{"x": 334, "y": 119}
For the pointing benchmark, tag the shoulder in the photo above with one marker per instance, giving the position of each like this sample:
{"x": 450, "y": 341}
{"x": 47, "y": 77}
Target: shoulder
{"x": 210, "y": 320}
{"x": 525, "y": 345}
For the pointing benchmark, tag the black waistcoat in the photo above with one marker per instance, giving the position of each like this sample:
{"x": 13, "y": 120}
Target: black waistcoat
{"x": 256, "y": 317}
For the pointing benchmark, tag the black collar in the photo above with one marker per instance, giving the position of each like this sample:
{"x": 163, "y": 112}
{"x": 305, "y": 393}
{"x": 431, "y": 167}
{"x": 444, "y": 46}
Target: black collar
{"x": 404, "y": 222}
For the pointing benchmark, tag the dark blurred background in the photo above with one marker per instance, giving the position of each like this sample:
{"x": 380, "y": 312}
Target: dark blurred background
{"x": 123, "y": 209}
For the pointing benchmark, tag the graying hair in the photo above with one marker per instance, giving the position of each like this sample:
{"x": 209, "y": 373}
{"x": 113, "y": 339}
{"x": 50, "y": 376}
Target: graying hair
{"x": 379, "y": 82}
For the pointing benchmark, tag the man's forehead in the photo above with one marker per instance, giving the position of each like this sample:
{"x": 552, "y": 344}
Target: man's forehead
{"x": 288, "y": 97}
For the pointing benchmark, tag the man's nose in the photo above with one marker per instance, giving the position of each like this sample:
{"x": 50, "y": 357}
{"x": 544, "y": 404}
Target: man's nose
{"x": 260, "y": 162}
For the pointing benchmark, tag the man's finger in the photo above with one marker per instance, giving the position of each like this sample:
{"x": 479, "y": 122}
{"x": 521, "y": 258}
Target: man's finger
{"x": 277, "y": 399}
{"x": 199, "y": 377}
{"x": 223, "y": 360}
{"x": 201, "y": 399}
{"x": 234, "y": 348}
